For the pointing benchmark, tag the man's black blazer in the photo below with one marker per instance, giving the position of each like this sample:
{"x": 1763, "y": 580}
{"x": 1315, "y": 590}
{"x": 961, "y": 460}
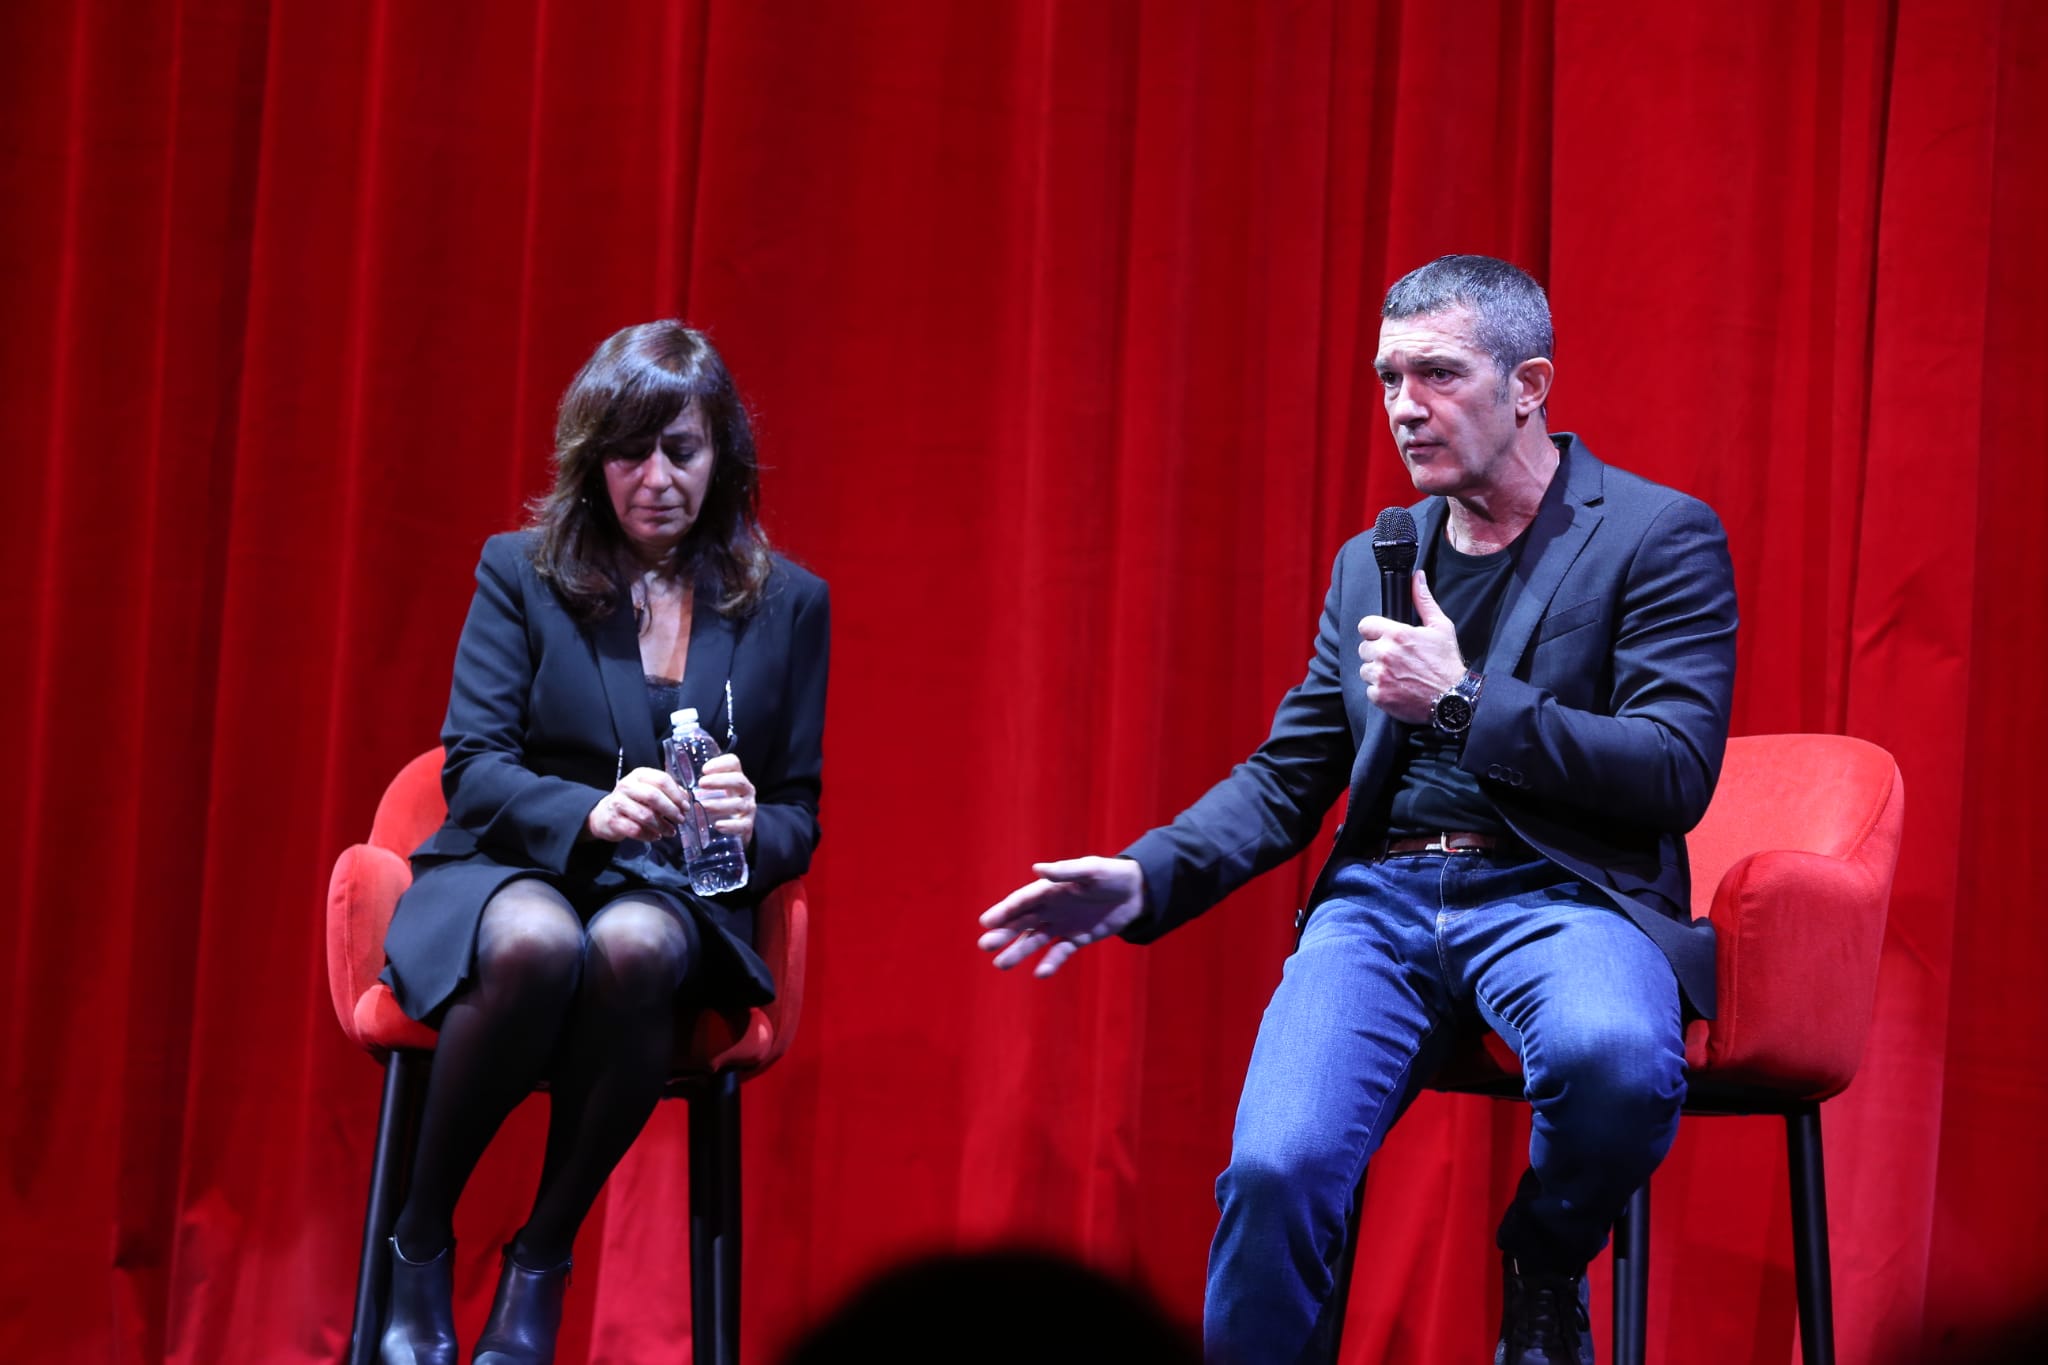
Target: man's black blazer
{"x": 1599, "y": 744}
{"x": 545, "y": 713}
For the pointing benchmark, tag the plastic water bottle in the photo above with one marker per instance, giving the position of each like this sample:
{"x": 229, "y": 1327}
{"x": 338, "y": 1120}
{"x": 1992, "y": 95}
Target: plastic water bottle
{"x": 685, "y": 847}
{"x": 714, "y": 858}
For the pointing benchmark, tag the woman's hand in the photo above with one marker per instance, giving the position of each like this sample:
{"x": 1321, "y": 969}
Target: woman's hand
{"x": 728, "y": 797}
{"x": 647, "y": 804}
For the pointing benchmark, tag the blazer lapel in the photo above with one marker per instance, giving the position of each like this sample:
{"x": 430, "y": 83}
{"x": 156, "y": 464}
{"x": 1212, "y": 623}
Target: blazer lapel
{"x": 1564, "y": 522}
{"x": 709, "y": 666}
{"x": 1380, "y": 732}
{"x": 617, "y": 641}
{"x": 1429, "y": 524}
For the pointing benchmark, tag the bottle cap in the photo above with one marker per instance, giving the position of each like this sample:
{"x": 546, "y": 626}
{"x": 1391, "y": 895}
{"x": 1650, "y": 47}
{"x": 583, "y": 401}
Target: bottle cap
{"x": 683, "y": 719}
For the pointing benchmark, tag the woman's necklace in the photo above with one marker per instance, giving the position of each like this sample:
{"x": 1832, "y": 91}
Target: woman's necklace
{"x": 662, "y": 607}
{"x": 656, "y": 591}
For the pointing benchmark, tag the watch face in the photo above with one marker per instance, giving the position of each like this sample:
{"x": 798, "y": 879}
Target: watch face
{"x": 1453, "y": 713}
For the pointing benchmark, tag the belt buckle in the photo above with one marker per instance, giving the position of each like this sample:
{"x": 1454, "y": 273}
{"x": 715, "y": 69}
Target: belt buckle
{"x": 1440, "y": 844}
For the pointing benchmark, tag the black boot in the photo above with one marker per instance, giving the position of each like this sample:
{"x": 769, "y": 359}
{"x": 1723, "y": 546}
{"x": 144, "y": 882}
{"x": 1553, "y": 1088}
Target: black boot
{"x": 526, "y": 1316}
{"x": 1544, "y": 1319}
{"x": 419, "y": 1328}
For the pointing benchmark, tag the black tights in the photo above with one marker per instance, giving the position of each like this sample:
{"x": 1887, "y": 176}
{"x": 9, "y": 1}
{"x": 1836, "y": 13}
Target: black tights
{"x": 589, "y": 1007}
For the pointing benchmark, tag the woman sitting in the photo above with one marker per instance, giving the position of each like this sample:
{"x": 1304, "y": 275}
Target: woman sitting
{"x": 550, "y": 931}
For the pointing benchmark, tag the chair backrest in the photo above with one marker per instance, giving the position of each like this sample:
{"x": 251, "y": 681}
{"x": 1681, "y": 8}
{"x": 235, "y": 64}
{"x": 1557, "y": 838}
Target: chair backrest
{"x": 1794, "y": 864}
{"x": 1826, "y": 794}
{"x": 412, "y": 806}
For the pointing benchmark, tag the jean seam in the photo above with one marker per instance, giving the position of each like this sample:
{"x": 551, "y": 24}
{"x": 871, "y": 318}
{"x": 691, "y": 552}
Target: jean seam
{"x": 1443, "y": 966}
{"x": 1519, "y": 1042}
{"x": 1392, "y": 1097}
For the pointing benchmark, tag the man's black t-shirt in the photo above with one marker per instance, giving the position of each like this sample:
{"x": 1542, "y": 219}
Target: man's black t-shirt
{"x": 1433, "y": 793}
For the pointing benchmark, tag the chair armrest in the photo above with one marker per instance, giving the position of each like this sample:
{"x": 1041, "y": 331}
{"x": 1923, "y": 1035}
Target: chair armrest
{"x": 783, "y": 931}
{"x": 749, "y": 1042}
{"x": 361, "y": 894}
{"x": 1798, "y": 937}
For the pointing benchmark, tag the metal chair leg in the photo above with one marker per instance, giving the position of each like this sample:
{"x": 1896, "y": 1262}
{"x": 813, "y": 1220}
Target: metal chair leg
{"x": 1632, "y": 1279}
{"x": 405, "y": 1075}
{"x": 715, "y": 1221}
{"x": 1810, "y": 1236}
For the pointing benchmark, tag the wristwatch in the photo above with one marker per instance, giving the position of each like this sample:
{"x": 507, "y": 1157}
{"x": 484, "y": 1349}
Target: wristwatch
{"x": 1451, "y": 711}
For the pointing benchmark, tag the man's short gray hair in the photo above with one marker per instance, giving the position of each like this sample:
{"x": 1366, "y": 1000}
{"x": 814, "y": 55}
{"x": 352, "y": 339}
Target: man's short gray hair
{"x": 1511, "y": 312}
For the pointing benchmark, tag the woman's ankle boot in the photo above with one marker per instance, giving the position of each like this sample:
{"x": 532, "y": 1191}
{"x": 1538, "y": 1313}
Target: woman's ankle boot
{"x": 419, "y": 1328}
{"x": 525, "y": 1317}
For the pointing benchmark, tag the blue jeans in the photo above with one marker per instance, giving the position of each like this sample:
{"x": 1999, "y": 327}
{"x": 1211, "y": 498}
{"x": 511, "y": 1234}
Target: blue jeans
{"x": 1365, "y": 1008}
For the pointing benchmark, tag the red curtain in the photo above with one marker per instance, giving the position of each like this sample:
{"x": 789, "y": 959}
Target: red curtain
{"x": 1058, "y": 318}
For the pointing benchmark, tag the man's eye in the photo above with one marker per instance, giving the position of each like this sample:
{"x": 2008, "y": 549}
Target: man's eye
{"x": 1389, "y": 378}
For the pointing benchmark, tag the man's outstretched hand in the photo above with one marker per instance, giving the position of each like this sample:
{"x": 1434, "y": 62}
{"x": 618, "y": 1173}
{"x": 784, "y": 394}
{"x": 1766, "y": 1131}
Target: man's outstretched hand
{"x": 1073, "y": 903}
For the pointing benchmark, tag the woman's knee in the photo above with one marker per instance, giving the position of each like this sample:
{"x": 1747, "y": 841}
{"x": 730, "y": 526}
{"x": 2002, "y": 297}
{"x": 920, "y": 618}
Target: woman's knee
{"x": 530, "y": 942}
{"x": 640, "y": 952}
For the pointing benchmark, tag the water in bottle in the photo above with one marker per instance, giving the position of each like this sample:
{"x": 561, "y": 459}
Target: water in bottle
{"x": 685, "y": 846}
{"x": 714, "y": 858}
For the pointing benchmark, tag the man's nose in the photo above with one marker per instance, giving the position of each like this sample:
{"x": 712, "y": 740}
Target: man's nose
{"x": 1403, "y": 407}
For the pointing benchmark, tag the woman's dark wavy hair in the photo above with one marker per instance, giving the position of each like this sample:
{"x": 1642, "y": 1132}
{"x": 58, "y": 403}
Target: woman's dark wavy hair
{"x": 634, "y": 385}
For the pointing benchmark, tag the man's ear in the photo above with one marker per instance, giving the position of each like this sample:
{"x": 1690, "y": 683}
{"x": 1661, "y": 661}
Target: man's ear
{"x": 1529, "y": 385}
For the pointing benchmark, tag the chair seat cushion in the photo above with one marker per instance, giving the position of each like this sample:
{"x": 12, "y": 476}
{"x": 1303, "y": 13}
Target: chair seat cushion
{"x": 380, "y": 1023}
{"x": 706, "y": 1041}
{"x": 715, "y": 1040}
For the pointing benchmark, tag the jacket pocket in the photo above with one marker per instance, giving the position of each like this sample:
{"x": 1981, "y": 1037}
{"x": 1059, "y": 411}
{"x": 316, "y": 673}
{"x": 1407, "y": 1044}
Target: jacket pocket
{"x": 1570, "y": 619}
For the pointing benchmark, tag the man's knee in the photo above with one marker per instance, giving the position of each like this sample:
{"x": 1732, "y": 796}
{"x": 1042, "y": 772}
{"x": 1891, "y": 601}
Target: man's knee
{"x": 1629, "y": 1069}
{"x": 1295, "y": 1164}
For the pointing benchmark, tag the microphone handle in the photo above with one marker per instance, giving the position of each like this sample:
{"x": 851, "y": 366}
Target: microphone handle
{"x": 1397, "y": 597}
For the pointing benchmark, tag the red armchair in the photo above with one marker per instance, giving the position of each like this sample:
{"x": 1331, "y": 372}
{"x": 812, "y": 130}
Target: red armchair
{"x": 713, "y": 1053}
{"x": 1793, "y": 863}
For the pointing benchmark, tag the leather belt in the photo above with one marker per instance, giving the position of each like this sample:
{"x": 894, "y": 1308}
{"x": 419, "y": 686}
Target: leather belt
{"x": 1449, "y": 841}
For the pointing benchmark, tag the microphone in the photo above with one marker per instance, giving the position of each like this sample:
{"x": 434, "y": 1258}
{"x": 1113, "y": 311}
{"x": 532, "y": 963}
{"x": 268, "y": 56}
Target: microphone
{"x": 1393, "y": 545}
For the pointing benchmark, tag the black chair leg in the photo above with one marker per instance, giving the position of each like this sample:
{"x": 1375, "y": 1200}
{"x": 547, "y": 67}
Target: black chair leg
{"x": 715, "y": 1221}
{"x": 1810, "y": 1236}
{"x": 1632, "y": 1279}
{"x": 405, "y": 1084}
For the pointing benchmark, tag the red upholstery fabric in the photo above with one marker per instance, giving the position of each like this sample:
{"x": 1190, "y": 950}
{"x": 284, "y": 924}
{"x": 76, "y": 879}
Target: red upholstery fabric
{"x": 1793, "y": 863}
{"x": 412, "y": 807}
{"x": 1799, "y": 845}
{"x": 377, "y": 1022}
{"x": 365, "y": 886}
{"x": 369, "y": 878}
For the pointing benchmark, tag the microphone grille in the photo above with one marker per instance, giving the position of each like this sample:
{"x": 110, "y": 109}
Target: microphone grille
{"x": 1394, "y": 539}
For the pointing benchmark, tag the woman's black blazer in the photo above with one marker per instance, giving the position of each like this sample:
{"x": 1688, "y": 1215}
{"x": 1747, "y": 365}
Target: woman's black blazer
{"x": 545, "y": 713}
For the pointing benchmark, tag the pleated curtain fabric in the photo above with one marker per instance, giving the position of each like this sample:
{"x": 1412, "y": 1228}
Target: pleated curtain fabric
{"x": 1058, "y": 321}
